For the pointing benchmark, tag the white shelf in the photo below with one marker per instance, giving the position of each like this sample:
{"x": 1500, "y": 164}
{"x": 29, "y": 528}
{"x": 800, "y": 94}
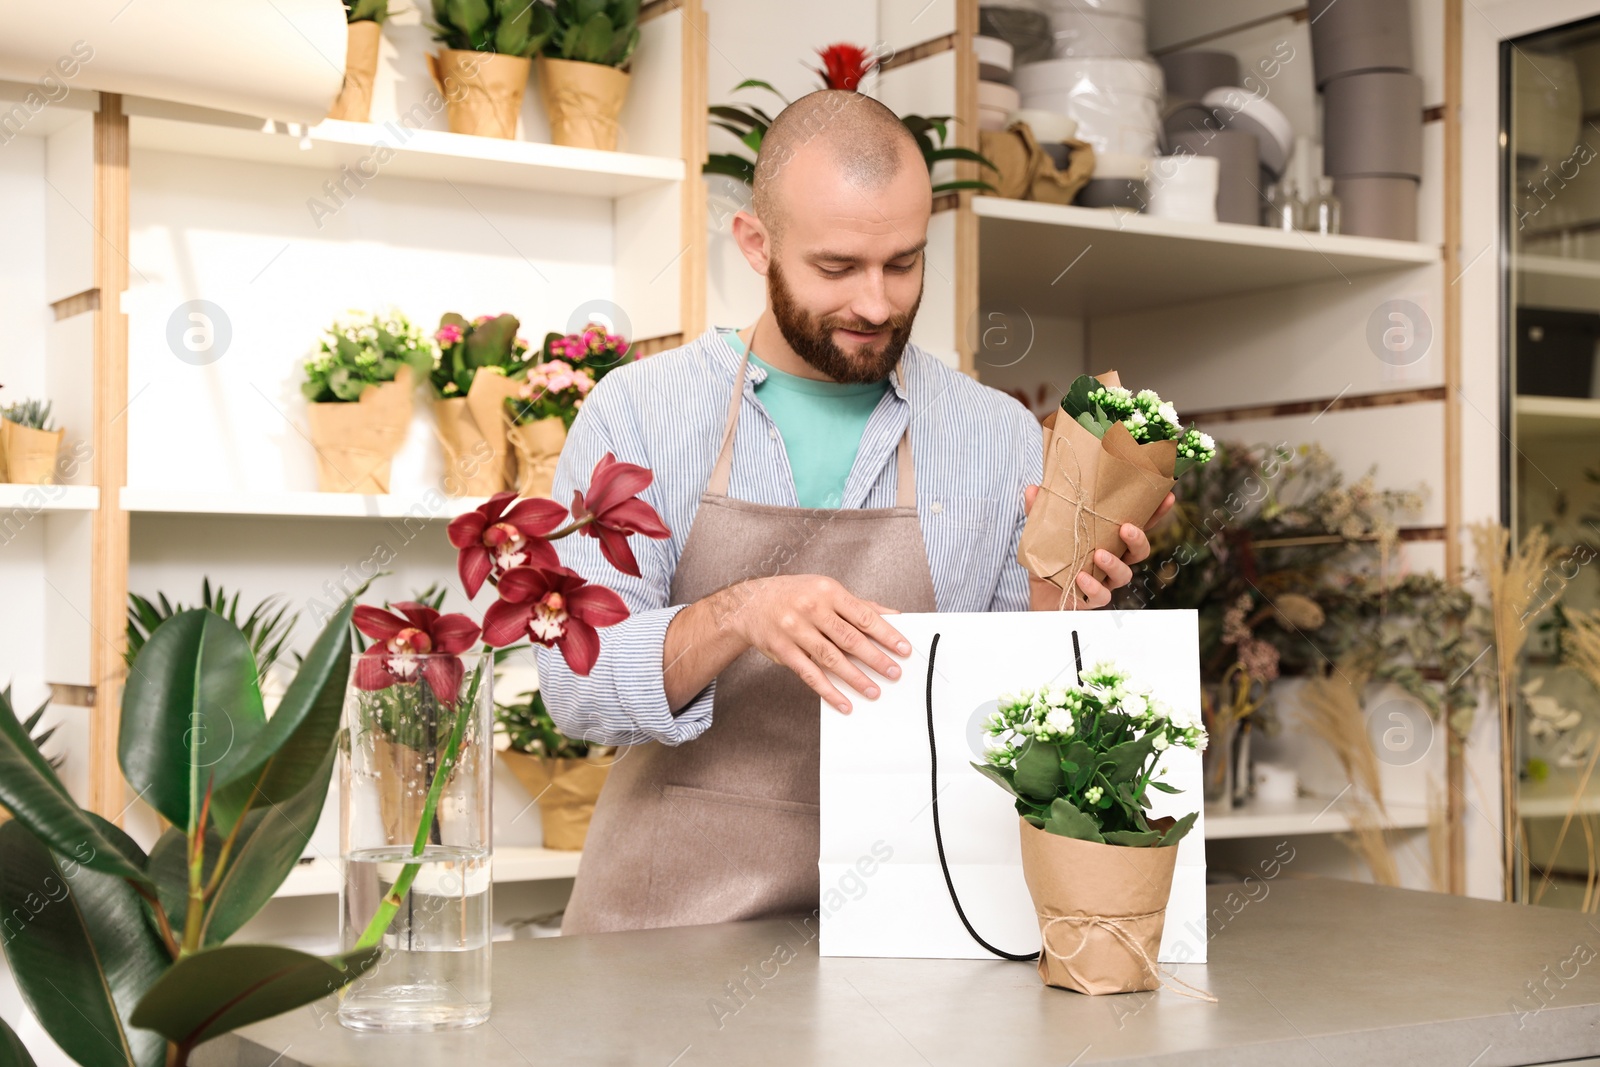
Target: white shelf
{"x": 1557, "y": 267}
{"x": 49, "y": 497}
{"x": 377, "y": 149}
{"x": 1558, "y": 416}
{"x": 1088, "y": 262}
{"x": 1556, "y": 282}
{"x": 1304, "y": 815}
{"x": 321, "y": 877}
{"x": 307, "y": 505}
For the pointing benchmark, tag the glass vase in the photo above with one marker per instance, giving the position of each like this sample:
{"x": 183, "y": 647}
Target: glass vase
{"x": 415, "y": 823}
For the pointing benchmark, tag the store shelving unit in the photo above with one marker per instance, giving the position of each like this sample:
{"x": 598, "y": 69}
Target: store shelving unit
{"x": 1304, "y": 815}
{"x": 303, "y": 504}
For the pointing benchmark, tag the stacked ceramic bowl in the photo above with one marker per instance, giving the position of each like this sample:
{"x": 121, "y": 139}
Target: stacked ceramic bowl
{"x": 997, "y": 99}
{"x": 1096, "y": 28}
{"x": 1372, "y": 113}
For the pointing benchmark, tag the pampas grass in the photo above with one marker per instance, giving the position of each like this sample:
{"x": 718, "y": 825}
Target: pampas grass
{"x": 1581, "y": 647}
{"x": 1332, "y": 709}
{"x": 1370, "y": 843}
{"x": 1514, "y": 578}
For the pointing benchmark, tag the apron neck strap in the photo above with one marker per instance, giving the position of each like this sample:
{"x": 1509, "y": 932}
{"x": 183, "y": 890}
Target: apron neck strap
{"x": 905, "y": 494}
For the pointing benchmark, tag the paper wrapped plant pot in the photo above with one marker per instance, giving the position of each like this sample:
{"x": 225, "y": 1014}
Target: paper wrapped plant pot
{"x": 583, "y": 101}
{"x": 482, "y": 90}
{"x": 566, "y": 791}
{"x": 360, "y": 66}
{"x": 472, "y": 431}
{"x": 1091, "y": 487}
{"x": 28, "y": 456}
{"x": 355, "y": 442}
{"x": 538, "y": 445}
{"x": 1101, "y": 910}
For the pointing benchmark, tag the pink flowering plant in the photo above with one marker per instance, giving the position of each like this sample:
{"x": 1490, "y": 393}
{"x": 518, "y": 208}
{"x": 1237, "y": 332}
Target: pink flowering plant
{"x": 553, "y": 389}
{"x": 593, "y": 348}
{"x": 488, "y": 343}
{"x": 415, "y": 658}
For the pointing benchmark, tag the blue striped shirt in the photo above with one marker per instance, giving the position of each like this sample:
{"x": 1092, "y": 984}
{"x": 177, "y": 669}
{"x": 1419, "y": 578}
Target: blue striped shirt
{"x": 973, "y": 448}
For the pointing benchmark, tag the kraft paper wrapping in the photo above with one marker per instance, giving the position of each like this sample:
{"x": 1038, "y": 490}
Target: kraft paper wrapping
{"x": 1024, "y": 171}
{"x": 1101, "y": 910}
{"x": 360, "y": 66}
{"x": 355, "y": 442}
{"x": 483, "y": 90}
{"x": 566, "y": 791}
{"x": 583, "y": 101}
{"x": 402, "y": 789}
{"x": 538, "y": 445}
{"x": 1091, "y": 487}
{"x": 28, "y": 456}
{"x": 472, "y": 431}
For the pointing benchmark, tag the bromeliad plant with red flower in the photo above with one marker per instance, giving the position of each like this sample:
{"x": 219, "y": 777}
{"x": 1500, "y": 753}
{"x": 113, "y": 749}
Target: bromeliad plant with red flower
{"x": 415, "y": 664}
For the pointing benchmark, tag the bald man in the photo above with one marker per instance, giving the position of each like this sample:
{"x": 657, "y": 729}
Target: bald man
{"x": 819, "y": 473}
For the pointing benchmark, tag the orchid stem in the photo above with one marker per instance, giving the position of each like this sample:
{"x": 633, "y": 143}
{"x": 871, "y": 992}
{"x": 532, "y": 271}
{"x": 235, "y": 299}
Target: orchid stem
{"x": 390, "y": 905}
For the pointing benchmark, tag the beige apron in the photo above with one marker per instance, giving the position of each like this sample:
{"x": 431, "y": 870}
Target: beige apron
{"x": 725, "y": 827}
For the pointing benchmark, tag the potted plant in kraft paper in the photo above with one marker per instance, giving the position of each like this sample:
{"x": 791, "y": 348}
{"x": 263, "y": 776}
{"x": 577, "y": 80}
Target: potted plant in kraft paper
{"x": 1080, "y": 760}
{"x": 581, "y": 79}
{"x": 29, "y": 441}
{"x": 563, "y": 775}
{"x": 593, "y": 348}
{"x": 540, "y": 415}
{"x": 359, "y": 387}
{"x": 481, "y": 364}
{"x": 482, "y": 70}
{"x": 1112, "y": 459}
{"x": 364, "y": 19}
{"x": 419, "y": 727}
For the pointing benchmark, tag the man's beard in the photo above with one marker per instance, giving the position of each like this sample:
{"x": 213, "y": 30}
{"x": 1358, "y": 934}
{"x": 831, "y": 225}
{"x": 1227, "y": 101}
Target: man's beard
{"x": 812, "y": 338}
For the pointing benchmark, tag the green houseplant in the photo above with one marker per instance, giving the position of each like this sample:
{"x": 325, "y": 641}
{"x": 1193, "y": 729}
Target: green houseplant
{"x": 365, "y": 19}
{"x": 123, "y": 955}
{"x": 29, "y": 441}
{"x": 482, "y": 70}
{"x": 359, "y": 386}
{"x": 267, "y": 626}
{"x": 581, "y": 76}
{"x": 480, "y": 364}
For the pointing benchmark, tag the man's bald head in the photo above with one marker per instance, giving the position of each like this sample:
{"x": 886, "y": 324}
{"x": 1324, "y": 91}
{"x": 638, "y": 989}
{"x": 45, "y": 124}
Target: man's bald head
{"x": 864, "y": 140}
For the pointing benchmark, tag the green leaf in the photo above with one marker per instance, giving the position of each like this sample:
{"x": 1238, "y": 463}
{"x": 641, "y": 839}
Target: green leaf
{"x": 37, "y": 800}
{"x": 490, "y": 345}
{"x": 594, "y": 38}
{"x": 1038, "y": 772}
{"x": 731, "y": 166}
{"x": 13, "y": 1052}
{"x": 1176, "y": 831}
{"x": 1066, "y": 820}
{"x": 273, "y": 839}
{"x": 79, "y": 949}
{"x": 1134, "y": 838}
{"x": 757, "y": 83}
{"x": 1076, "y": 402}
{"x": 1155, "y": 783}
{"x": 468, "y": 16}
{"x": 1129, "y": 757}
{"x": 191, "y": 711}
{"x": 996, "y": 775}
{"x": 219, "y": 989}
{"x": 289, "y": 751}
{"x": 941, "y": 154}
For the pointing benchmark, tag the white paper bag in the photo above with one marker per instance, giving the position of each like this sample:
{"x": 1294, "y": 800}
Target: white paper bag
{"x": 883, "y": 893}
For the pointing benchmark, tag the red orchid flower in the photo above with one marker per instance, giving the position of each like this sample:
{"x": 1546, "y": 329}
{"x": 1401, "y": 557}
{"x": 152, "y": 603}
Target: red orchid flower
{"x": 615, "y": 511}
{"x": 417, "y": 631}
{"x": 555, "y": 607}
{"x": 493, "y": 540}
{"x": 844, "y": 65}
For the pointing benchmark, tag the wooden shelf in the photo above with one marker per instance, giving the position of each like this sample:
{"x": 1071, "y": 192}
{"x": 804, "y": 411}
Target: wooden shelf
{"x": 1556, "y": 282}
{"x": 303, "y": 505}
{"x": 1558, "y": 416}
{"x": 1076, "y": 261}
{"x": 377, "y": 149}
{"x": 1304, "y": 815}
{"x": 321, "y": 877}
{"x": 49, "y": 497}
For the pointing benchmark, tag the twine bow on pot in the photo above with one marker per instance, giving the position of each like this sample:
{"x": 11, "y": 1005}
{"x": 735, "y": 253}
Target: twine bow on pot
{"x": 1113, "y": 925}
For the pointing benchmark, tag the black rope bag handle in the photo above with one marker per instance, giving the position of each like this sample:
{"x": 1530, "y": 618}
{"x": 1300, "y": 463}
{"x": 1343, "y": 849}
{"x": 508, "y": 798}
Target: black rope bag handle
{"x": 938, "y": 835}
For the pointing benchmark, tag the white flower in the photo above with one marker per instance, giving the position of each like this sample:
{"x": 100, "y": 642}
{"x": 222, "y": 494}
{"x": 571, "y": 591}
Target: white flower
{"x": 1160, "y": 743}
{"x": 1135, "y": 704}
{"x": 1059, "y": 722}
{"x": 1057, "y": 696}
{"x": 1149, "y": 396}
{"x": 1185, "y": 717}
{"x": 1168, "y": 412}
{"x": 1007, "y": 700}
{"x": 1207, "y": 443}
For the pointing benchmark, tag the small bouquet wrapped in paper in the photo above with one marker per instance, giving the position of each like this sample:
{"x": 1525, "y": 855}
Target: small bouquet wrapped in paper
{"x": 1110, "y": 457}
{"x": 540, "y": 413}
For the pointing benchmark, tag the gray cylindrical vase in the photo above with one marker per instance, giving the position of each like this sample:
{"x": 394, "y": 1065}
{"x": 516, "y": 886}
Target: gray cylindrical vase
{"x": 1378, "y": 207}
{"x": 1238, "y": 197}
{"x": 1355, "y": 35}
{"x": 1372, "y": 125}
{"x": 1191, "y": 75}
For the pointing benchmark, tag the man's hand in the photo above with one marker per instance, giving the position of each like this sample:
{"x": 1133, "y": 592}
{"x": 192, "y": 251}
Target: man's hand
{"x": 1045, "y": 597}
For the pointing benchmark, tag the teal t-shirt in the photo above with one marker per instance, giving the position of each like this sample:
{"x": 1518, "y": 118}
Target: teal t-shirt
{"x": 821, "y": 424}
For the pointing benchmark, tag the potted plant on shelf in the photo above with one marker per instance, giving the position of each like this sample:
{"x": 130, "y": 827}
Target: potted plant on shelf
{"x": 540, "y": 414}
{"x": 29, "y": 442}
{"x": 563, "y": 775}
{"x": 359, "y": 388}
{"x": 844, "y": 67}
{"x": 1080, "y": 760}
{"x": 593, "y": 348}
{"x": 580, "y": 70}
{"x": 365, "y": 19}
{"x": 483, "y": 69}
{"x": 481, "y": 363}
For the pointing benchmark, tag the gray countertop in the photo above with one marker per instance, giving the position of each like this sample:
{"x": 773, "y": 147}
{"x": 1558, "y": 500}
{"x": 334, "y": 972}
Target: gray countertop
{"x": 1308, "y": 972}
